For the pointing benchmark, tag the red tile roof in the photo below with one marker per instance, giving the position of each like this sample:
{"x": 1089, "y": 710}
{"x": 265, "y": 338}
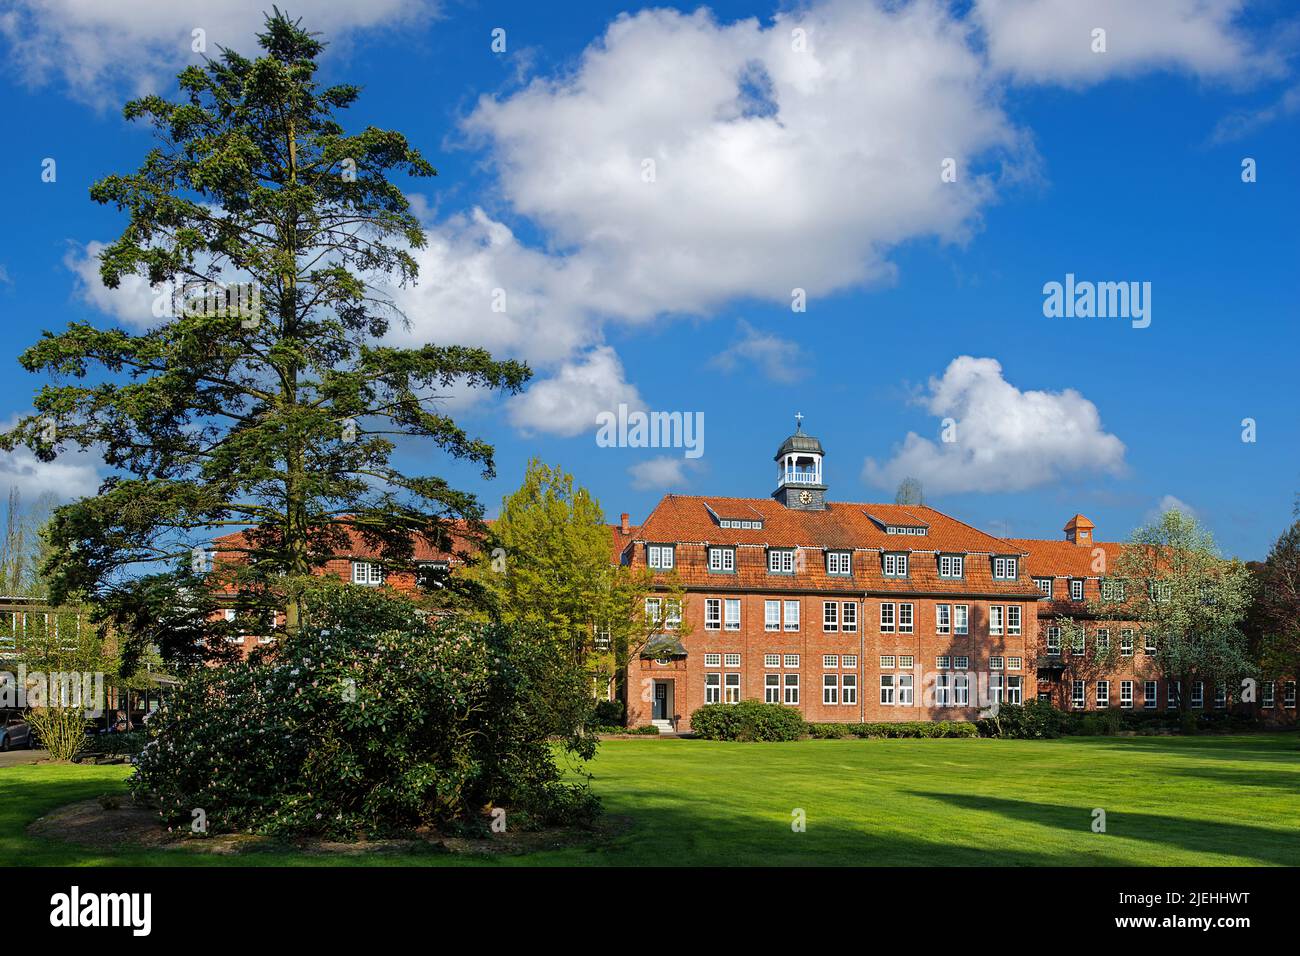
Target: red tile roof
{"x": 1065, "y": 558}
{"x": 686, "y": 521}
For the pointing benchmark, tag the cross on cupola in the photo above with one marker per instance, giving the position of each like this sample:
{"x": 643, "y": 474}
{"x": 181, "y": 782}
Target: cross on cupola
{"x": 799, "y": 471}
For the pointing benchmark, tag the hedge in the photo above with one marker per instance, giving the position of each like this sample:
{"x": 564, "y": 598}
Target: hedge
{"x": 748, "y": 720}
{"x": 910, "y": 728}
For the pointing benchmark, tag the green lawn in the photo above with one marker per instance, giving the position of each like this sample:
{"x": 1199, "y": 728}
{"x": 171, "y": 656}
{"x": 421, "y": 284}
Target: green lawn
{"x": 1168, "y": 801}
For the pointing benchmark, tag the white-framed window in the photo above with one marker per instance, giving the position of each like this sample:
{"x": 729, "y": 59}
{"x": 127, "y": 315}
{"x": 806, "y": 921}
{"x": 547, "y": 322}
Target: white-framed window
{"x": 996, "y": 690}
{"x": 1053, "y": 639}
{"x": 791, "y": 688}
{"x": 1198, "y": 694}
{"x": 1076, "y": 589}
{"x": 1149, "y": 698}
{"x": 951, "y": 566}
{"x": 961, "y": 690}
{"x": 943, "y": 618}
{"x": 1149, "y": 644}
{"x": 1269, "y": 698}
{"x": 905, "y": 686}
{"x": 1013, "y": 663}
{"x": 772, "y": 688}
{"x": 830, "y": 688}
{"x": 848, "y": 688}
{"x": 830, "y": 616}
{"x": 713, "y": 614}
{"x": 961, "y": 619}
{"x": 1125, "y": 643}
{"x": 1288, "y": 695}
{"x": 894, "y": 564}
{"x": 887, "y": 662}
{"x": 1078, "y": 640}
{"x": 1077, "y": 694}
{"x": 1161, "y": 591}
{"x": 839, "y": 562}
{"x": 942, "y": 690}
{"x": 712, "y": 688}
{"x": 1126, "y": 694}
{"x": 732, "y": 620}
{"x": 995, "y": 663}
{"x": 1173, "y": 694}
{"x": 961, "y": 663}
{"x": 849, "y": 661}
{"x": 792, "y": 615}
{"x": 712, "y": 660}
{"x": 780, "y": 560}
{"x": 905, "y": 619}
{"x": 368, "y": 573}
{"x": 771, "y": 660}
{"x": 771, "y": 615}
{"x": 722, "y": 559}
{"x": 1220, "y": 695}
{"x": 887, "y": 618}
{"x": 995, "y": 618}
{"x": 1004, "y": 569}
{"x": 887, "y": 689}
{"x": 731, "y": 688}
{"x": 831, "y": 661}
{"x": 731, "y": 660}
{"x": 1013, "y": 618}
{"x": 849, "y": 617}
{"x": 673, "y": 618}
{"x": 790, "y": 660}
{"x": 1103, "y": 639}
{"x": 1112, "y": 590}
{"x": 653, "y": 609}
{"x": 1044, "y": 585}
{"x": 906, "y": 661}
{"x": 1103, "y": 693}
{"x": 1015, "y": 690}
{"x": 659, "y": 556}
{"x": 943, "y": 662}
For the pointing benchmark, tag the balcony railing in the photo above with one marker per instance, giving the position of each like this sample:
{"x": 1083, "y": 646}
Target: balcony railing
{"x": 799, "y": 476}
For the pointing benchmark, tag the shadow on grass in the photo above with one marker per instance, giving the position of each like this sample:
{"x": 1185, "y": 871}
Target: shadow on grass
{"x": 1263, "y": 844}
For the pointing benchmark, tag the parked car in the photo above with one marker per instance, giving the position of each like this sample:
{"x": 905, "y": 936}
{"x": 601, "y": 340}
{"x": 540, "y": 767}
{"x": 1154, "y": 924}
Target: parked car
{"x": 15, "y": 732}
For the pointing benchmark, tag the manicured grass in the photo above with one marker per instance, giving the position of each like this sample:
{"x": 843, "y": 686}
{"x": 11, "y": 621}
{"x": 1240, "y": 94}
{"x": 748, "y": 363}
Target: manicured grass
{"x": 1168, "y": 801}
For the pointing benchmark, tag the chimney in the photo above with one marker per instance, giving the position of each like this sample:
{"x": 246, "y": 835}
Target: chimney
{"x": 623, "y": 525}
{"x": 1079, "y": 530}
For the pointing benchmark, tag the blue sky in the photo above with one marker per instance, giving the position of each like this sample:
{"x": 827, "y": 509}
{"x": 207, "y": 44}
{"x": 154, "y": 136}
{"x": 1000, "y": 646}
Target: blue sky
{"x": 778, "y": 168}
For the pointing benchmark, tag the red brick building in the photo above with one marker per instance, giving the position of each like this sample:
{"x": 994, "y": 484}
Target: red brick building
{"x": 877, "y": 612}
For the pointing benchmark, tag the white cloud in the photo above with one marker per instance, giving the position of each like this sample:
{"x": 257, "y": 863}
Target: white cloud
{"x": 101, "y": 50}
{"x": 756, "y": 146}
{"x": 780, "y": 360}
{"x": 1050, "y": 41}
{"x": 1242, "y": 124}
{"x": 4, "y": 276}
{"x": 1006, "y": 439}
{"x": 69, "y": 476}
{"x": 661, "y": 474}
{"x": 1170, "y": 503}
{"x": 568, "y": 402}
{"x": 131, "y": 303}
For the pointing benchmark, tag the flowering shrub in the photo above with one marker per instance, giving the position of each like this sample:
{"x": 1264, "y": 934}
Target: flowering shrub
{"x": 373, "y": 720}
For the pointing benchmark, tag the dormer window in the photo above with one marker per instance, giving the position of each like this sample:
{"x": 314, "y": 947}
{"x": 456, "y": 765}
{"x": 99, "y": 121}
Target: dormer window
{"x": 1076, "y": 589}
{"x": 1004, "y": 569}
{"x": 780, "y": 560}
{"x": 839, "y": 562}
{"x": 659, "y": 556}
{"x": 1044, "y": 585}
{"x": 952, "y": 566}
{"x": 895, "y": 564}
{"x": 368, "y": 573}
{"x": 722, "y": 559}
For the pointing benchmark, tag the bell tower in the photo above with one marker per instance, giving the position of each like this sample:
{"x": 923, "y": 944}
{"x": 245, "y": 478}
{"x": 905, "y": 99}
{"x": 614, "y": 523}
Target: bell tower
{"x": 799, "y": 471}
